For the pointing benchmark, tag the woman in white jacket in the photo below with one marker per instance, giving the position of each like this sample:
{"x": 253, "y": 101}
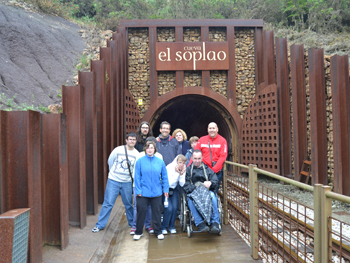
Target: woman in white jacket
{"x": 176, "y": 174}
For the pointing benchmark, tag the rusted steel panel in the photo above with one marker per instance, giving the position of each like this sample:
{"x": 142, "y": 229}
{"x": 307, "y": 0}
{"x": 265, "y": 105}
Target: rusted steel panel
{"x": 119, "y": 78}
{"x": 318, "y": 125}
{"x": 132, "y": 117}
{"x": 54, "y": 178}
{"x": 179, "y": 73}
{"x": 231, "y": 73}
{"x": 260, "y": 142}
{"x": 88, "y": 81}
{"x": 12, "y": 223}
{"x": 21, "y": 171}
{"x": 259, "y": 58}
{"x": 299, "y": 107}
{"x": 125, "y": 82}
{"x": 105, "y": 55}
{"x": 205, "y": 73}
{"x": 99, "y": 68}
{"x": 193, "y": 22}
{"x": 284, "y": 105}
{"x": 73, "y": 107}
{"x": 341, "y": 123}
{"x": 269, "y": 58}
{"x": 152, "y": 64}
{"x": 114, "y": 82}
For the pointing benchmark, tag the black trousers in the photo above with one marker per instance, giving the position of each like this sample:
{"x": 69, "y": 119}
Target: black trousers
{"x": 156, "y": 207}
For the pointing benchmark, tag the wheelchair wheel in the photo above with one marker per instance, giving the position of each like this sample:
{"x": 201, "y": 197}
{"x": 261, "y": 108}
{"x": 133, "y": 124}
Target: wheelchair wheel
{"x": 188, "y": 231}
{"x": 221, "y": 215}
{"x": 183, "y": 221}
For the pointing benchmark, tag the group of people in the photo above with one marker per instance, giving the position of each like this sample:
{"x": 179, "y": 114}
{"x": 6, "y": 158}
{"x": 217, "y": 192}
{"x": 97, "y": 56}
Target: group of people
{"x": 156, "y": 171}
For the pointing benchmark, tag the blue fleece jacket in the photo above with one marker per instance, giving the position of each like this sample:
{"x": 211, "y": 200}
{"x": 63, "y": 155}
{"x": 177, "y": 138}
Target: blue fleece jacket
{"x": 151, "y": 177}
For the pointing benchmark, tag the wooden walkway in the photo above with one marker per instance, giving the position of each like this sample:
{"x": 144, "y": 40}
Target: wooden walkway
{"x": 200, "y": 247}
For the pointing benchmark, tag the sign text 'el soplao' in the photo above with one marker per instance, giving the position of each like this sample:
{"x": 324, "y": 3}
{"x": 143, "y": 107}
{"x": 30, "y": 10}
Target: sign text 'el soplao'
{"x": 192, "y": 56}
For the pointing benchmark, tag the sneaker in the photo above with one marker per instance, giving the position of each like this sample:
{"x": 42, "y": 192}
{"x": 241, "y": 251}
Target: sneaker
{"x": 215, "y": 228}
{"x": 202, "y": 227}
{"x": 150, "y": 230}
{"x": 172, "y": 231}
{"x": 137, "y": 237}
{"x": 164, "y": 232}
{"x": 96, "y": 229}
{"x": 160, "y": 236}
{"x": 132, "y": 232}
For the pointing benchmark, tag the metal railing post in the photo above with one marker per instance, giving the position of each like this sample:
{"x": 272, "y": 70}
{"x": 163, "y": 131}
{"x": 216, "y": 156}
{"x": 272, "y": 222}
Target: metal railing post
{"x": 326, "y": 212}
{"x": 317, "y": 222}
{"x": 224, "y": 188}
{"x": 253, "y": 199}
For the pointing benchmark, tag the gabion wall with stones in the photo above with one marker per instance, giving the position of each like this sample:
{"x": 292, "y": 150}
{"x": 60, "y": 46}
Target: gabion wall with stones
{"x": 166, "y": 82}
{"x": 139, "y": 77}
{"x": 218, "y": 78}
{"x": 166, "y": 79}
{"x": 245, "y": 68}
{"x": 329, "y": 119}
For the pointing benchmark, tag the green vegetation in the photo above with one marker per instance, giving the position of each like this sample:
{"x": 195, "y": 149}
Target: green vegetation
{"x": 9, "y": 105}
{"x": 316, "y": 15}
{"x": 84, "y": 62}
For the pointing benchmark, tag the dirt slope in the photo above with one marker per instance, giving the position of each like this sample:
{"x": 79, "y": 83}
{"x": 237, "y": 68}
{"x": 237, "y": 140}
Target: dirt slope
{"x": 37, "y": 55}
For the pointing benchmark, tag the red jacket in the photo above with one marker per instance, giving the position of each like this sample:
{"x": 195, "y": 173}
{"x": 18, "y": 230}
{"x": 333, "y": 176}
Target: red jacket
{"x": 218, "y": 147}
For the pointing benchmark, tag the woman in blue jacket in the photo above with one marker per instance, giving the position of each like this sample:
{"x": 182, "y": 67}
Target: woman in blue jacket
{"x": 151, "y": 181}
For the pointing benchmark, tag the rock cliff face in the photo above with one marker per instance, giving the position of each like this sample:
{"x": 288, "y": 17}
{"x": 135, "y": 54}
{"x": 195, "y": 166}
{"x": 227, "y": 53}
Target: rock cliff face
{"x": 38, "y": 53}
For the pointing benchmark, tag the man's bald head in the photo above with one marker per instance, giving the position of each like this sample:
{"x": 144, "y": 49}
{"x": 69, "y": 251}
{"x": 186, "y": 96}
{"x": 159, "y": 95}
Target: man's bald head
{"x": 213, "y": 129}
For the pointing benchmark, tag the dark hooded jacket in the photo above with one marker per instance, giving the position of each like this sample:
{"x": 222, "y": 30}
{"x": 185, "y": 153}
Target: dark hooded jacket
{"x": 198, "y": 176}
{"x": 168, "y": 148}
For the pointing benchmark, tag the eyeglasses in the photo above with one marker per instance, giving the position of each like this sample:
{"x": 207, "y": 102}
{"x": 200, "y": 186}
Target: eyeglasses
{"x": 144, "y": 128}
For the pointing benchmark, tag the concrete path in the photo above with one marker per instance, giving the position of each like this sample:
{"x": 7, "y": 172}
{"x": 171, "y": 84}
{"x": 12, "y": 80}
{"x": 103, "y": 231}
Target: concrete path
{"x": 115, "y": 245}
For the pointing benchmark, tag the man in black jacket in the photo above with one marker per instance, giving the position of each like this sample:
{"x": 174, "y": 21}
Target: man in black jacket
{"x": 197, "y": 175}
{"x": 143, "y": 131}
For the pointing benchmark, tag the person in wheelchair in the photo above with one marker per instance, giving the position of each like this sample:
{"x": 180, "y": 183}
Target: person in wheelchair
{"x": 200, "y": 185}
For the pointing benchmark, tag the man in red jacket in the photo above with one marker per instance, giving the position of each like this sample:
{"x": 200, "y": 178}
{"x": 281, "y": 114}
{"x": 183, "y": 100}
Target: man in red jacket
{"x": 216, "y": 156}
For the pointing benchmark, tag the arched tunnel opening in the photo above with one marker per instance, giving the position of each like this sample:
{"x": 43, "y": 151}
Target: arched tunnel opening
{"x": 193, "y": 113}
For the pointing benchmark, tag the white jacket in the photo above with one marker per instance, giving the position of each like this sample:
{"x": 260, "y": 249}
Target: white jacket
{"x": 173, "y": 176}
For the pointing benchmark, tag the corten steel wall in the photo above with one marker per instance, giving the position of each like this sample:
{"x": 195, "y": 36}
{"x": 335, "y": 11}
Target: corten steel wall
{"x": 299, "y": 107}
{"x": 113, "y": 85}
{"x": 282, "y": 73}
{"x": 73, "y": 107}
{"x": 105, "y": 55}
{"x": 88, "y": 81}
{"x": 98, "y": 67}
{"x": 318, "y": 117}
{"x": 54, "y": 178}
{"x": 341, "y": 123}
{"x": 20, "y": 173}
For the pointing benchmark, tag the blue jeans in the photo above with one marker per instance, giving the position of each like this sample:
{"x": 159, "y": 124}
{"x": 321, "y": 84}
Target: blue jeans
{"x": 113, "y": 189}
{"x": 148, "y": 218}
{"x": 170, "y": 212}
{"x": 219, "y": 175}
{"x": 215, "y": 217}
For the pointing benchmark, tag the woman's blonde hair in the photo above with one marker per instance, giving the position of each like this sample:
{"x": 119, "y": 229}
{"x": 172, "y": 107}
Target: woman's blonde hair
{"x": 183, "y": 133}
{"x": 181, "y": 157}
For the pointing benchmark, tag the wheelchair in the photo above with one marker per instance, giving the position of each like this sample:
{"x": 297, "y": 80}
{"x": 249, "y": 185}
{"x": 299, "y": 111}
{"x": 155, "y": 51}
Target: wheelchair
{"x": 186, "y": 220}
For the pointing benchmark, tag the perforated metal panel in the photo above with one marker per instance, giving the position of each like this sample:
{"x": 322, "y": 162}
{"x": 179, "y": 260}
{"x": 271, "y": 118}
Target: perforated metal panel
{"x": 260, "y": 142}
{"x": 20, "y": 238}
{"x": 132, "y": 116}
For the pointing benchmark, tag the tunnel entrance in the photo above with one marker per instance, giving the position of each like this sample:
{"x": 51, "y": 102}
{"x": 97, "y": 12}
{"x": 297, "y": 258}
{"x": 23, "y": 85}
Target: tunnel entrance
{"x": 193, "y": 113}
